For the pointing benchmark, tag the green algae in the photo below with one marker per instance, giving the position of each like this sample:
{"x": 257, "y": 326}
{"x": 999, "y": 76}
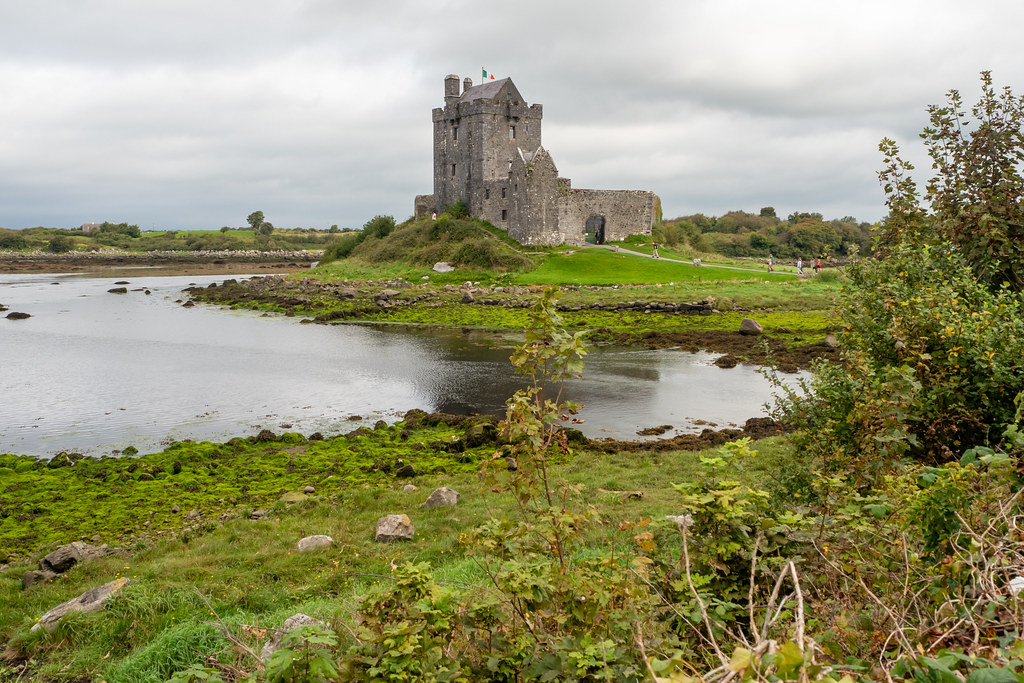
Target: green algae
{"x": 116, "y": 499}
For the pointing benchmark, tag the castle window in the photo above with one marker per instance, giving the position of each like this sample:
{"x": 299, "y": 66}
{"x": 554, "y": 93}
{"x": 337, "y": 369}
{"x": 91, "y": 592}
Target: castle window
{"x": 504, "y": 193}
{"x": 455, "y": 133}
{"x": 453, "y": 170}
{"x": 511, "y": 132}
{"x": 504, "y": 214}
{"x": 487, "y": 194}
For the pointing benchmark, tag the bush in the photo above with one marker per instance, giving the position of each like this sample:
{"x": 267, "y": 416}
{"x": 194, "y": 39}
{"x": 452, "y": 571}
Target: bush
{"x": 60, "y": 244}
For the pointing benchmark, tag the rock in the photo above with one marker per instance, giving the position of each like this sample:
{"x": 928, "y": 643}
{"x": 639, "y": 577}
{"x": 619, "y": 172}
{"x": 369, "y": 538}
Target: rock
{"x": 291, "y": 623}
{"x": 394, "y": 528}
{"x": 831, "y": 341}
{"x": 313, "y": 542}
{"x": 632, "y": 495}
{"x": 67, "y": 556}
{"x": 122, "y": 282}
{"x": 443, "y": 267}
{"x": 467, "y": 298}
{"x": 387, "y": 293}
{"x": 91, "y": 600}
{"x": 32, "y": 577}
{"x": 511, "y": 465}
{"x": 118, "y": 290}
{"x": 192, "y": 514}
{"x": 175, "y": 510}
{"x": 405, "y": 471}
{"x": 442, "y": 497}
{"x": 409, "y": 488}
{"x": 749, "y": 326}
{"x": 309, "y": 490}
{"x": 348, "y": 293}
{"x": 15, "y": 315}
{"x": 258, "y": 514}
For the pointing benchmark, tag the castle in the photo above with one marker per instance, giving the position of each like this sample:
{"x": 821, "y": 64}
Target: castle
{"x": 488, "y": 154}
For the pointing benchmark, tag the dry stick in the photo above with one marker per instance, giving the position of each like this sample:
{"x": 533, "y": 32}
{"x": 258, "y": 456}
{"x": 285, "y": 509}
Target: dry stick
{"x": 750, "y": 594}
{"x": 224, "y": 627}
{"x": 639, "y": 638}
{"x": 771, "y": 603}
{"x": 799, "y": 607}
{"x": 700, "y": 602}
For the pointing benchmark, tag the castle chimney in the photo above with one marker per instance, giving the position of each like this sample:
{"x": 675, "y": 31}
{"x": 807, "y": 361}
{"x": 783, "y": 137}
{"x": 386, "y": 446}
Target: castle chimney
{"x": 467, "y": 83}
{"x": 451, "y": 88}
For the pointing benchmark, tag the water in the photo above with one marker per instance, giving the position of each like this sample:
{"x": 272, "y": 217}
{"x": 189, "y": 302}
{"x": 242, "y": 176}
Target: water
{"x": 95, "y": 372}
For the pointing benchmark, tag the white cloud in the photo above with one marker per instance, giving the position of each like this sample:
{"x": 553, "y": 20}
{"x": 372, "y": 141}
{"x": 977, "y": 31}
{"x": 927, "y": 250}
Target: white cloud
{"x": 193, "y": 114}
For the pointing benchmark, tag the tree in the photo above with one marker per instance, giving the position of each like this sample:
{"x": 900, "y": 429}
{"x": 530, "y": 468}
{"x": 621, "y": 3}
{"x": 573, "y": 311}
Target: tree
{"x": 60, "y": 244}
{"x": 977, "y": 193}
{"x": 265, "y": 228}
{"x": 255, "y": 220}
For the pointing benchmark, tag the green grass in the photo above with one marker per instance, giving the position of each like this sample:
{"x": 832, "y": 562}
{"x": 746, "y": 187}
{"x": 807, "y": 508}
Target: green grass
{"x": 605, "y": 267}
{"x": 251, "y": 574}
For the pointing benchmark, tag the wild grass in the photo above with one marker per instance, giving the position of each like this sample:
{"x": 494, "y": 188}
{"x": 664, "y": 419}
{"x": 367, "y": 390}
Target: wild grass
{"x": 250, "y": 574}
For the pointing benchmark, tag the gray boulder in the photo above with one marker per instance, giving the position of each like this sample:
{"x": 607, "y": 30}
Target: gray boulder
{"x": 394, "y": 528}
{"x": 32, "y": 577}
{"x": 91, "y": 600}
{"x": 831, "y": 341}
{"x": 313, "y": 542}
{"x": 443, "y": 267}
{"x": 750, "y": 326}
{"x": 442, "y": 497}
{"x": 291, "y": 623}
{"x": 67, "y": 556}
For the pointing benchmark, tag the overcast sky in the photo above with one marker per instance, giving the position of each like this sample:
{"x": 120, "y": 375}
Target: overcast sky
{"x": 194, "y": 113}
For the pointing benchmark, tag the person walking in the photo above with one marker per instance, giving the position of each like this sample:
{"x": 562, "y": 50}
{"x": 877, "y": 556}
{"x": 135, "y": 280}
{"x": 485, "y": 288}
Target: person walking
{"x": 800, "y": 266}
{"x": 655, "y": 251}
{"x": 817, "y": 266}
{"x": 771, "y": 263}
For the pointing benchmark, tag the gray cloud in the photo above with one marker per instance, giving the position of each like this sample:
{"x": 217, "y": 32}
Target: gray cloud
{"x": 192, "y": 114}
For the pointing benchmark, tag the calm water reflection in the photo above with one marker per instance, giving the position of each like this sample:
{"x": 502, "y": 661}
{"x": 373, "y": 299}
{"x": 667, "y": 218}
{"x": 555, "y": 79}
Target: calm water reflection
{"x": 92, "y": 371}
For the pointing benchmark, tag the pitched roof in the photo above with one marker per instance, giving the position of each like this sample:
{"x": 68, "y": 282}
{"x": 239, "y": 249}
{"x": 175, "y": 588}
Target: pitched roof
{"x": 484, "y": 91}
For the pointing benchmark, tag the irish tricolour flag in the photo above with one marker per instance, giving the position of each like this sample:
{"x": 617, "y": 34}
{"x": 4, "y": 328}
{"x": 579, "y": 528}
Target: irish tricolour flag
{"x": 486, "y": 75}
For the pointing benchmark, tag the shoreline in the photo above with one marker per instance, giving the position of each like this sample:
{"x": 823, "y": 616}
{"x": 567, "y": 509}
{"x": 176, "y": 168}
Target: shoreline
{"x": 233, "y": 262}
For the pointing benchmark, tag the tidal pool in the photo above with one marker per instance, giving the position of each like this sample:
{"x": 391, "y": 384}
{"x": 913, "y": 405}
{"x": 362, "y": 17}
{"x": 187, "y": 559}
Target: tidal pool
{"x": 95, "y": 372}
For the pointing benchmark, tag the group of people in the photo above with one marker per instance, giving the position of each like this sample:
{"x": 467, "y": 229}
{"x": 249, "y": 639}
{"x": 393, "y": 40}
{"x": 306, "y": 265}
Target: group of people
{"x": 799, "y": 265}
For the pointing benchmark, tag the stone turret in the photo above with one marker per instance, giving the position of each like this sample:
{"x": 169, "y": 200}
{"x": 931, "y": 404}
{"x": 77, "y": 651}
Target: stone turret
{"x": 467, "y": 83}
{"x": 451, "y": 89}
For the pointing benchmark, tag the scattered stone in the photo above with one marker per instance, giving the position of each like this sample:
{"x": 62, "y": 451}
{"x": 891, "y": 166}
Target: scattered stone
{"x": 511, "y": 465}
{"x": 394, "y": 528}
{"x": 409, "y": 488}
{"x": 188, "y": 304}
{"x": 91, "y": 600}
{"x": 405, "y": 471}
{"x": 443, "y": 267}
{"x": 122, "y": 282}
{"x": 67, "y": 556}
{"x": 265, "y": 435}
{"x": 291, "y": 623}
{"x": 726, "y": 361}
{"x": 192, "y": 514}
{"x": 313, "y": 542}
{"x": 831, "y": 341}
{"x": 309, "y": 490}
{"x": 467, "y": 298}
{"x": 258, "y": 514}
{"x": 34, "y": 576}
{"x": 118, "y": 290}
{"x": 442, "y": 497}
{"x": 175, "y": 510}
{"x": 749, "y": 326}
{"x": 16, "y": 315}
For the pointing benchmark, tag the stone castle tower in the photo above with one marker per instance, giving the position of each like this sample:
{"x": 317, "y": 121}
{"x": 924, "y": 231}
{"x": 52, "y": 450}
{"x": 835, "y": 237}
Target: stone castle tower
{"x": 488, "y": 154}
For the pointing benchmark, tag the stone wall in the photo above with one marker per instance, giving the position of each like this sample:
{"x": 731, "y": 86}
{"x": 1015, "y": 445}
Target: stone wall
{"x": 626, "y": 212}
